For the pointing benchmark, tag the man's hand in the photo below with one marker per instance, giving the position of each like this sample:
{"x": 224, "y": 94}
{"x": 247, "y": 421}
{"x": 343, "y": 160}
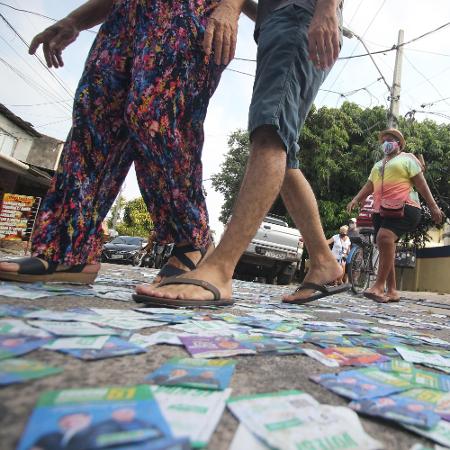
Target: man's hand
{"x": 54, "y": 40}
{"x": 436, "y": 214}
{"x": 221, "y": 33}
{"x": 323, "y": 38}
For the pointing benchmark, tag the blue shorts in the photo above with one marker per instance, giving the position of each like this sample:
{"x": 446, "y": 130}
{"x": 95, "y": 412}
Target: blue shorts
{"x": 286, "y": 81}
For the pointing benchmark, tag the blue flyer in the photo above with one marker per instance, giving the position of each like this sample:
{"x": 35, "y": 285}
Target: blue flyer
{"x": 11, "y": 346}
{"x": 114, "y": 346}
{"x": 97, "y": 418}
{"x": 196, "y": 373}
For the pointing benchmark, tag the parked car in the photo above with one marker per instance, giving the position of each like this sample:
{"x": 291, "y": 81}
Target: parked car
{"x": 124, "y": 249}
{"x": 273, "y": 253}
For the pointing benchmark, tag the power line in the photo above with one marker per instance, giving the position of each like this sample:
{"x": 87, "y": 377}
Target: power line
{"x": 36, "y": 14}
{"x": 423, "y": 105}
{"x": 58, "y": 80}
{"x": 39, "y": 104}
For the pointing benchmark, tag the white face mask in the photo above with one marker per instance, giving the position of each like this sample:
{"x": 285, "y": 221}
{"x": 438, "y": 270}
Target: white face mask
{"x": 389, "y": 147}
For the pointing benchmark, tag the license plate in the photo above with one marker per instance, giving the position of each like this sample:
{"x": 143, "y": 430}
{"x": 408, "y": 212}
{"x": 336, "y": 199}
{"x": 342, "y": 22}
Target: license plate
{"x": 275, "y": 254}
{"x": 116, "y": 256}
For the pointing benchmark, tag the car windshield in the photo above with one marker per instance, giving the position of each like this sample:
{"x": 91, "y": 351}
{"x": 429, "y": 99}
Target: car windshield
{"x": 127, "y": 240}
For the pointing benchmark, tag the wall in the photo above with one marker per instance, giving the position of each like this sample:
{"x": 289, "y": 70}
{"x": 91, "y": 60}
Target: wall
{"x": 432, "y": 271}
{"x": 24, "y": 140}
{"x": 45, "y": 152}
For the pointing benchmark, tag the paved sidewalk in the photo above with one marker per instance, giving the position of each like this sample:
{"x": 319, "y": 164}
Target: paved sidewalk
{"x": 254, "y": 374}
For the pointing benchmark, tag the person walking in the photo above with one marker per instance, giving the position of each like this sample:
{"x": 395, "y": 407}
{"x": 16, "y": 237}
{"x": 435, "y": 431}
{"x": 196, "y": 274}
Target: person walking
{"x": 393, "y": 182}
{"x": 142, "y": 98}
{"x": 341, "y": 248}
{"x": 298, "y": 43}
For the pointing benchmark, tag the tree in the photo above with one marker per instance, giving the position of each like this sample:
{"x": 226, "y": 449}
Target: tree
{"x": 136, "y": 219}
{"x": 338, "y": 148}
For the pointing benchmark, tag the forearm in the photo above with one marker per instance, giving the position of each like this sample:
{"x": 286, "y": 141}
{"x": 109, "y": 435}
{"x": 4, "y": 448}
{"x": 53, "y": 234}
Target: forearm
{"x": 90, "y": 13}
{"x": 366, "y": 190}
{"x": 323, "y": 6}
{"x": 422, "y": 187}
{"x": 249, "y": 9}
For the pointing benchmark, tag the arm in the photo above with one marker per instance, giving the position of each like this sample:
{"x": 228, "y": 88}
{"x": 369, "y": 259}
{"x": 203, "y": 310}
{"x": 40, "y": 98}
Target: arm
{"x": 323, "y": 34}
{"x": 249, "y": 9}
{"x": 62, "y": 33}
{"x": 422, "y": 187}
{"x": 221, "y": 31}
{"x": 366, "y": 190}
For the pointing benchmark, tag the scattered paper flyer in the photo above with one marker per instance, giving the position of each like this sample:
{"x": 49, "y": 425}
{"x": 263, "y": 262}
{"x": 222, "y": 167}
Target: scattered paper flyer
{"x": 114, "y": 346}
{"x": 197, "y": 373}
{"x": 364, "y": 383}
{"x": 191, "y": 412}
{"x": 19, "y": 370}
{"x": 12, "y": 346}
{"x": 82, "y": 342}
{"x": 95, "y": 418}
{"x": 214, "y": 347}
{"x": 422, "y": 357}
{"x": 439, "y": 433}
{"x": 72, "y": 328}
{"x": 293, "y": 420}
{"x": 160, "y": 337}
{"x": 17, "y": 326}
{"x": 244, "y": 439}
{"x": 346, "y": 356}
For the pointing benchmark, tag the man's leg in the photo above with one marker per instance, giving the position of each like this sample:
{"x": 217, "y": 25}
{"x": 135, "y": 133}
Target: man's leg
{"x": 386, "y": 245}
{"x": 391, "y": 285}
{"x": 302, "y": 207}
{"x": 262, "y": 183}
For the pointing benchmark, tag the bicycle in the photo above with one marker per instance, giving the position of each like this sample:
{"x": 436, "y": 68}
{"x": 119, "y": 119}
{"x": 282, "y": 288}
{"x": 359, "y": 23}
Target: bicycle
{"x": 362, "y": 261}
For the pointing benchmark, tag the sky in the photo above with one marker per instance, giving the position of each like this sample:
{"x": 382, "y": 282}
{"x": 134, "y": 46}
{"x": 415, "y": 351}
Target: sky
{"x": 30, "y": 91}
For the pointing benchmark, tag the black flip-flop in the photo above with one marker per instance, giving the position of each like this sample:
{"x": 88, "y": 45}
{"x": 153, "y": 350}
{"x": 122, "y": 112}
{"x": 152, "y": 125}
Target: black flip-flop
{"x": 324, "y": 291}
{"x": 175, "y": 303}
{"x": 32, "y": 270}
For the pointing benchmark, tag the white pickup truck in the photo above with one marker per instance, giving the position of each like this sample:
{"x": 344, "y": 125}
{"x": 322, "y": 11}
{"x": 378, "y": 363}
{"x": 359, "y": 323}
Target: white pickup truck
{"x": 273, "y": 253}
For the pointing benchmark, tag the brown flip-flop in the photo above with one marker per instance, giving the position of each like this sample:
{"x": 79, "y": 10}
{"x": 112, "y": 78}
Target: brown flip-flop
{"x": 377, "y": 298}
{"x": 33, "y": 270}
{"x": 149, "y": 300}
{"x": 324, "y": 291}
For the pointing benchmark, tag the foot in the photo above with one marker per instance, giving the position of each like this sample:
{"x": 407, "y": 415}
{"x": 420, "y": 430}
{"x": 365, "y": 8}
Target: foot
{"x": 393, "y": 296}
{"x": 378, "y": 293}
{"x": 326, "y": 273}
{"x": 14, "y": 267}
{"x": 205, "y": 272}
{"x": 195, "y": 257}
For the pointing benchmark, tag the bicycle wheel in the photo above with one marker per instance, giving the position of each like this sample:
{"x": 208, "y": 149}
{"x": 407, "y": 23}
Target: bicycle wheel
{"x": 359, "y": 270}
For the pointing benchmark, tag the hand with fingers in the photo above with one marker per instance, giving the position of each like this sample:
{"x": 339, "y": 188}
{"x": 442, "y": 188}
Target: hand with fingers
{"x": 437, "y": 214}
{"x": 323, "y": 38}
{"x": 354, "y": 203}
{"x": 221, "y": 33}
{"x": 54, "y": 40}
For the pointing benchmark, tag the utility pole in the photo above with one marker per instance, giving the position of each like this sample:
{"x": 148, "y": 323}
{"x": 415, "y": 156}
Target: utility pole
{"x": 396, "y": 83}
{"x": 116, "y": 211}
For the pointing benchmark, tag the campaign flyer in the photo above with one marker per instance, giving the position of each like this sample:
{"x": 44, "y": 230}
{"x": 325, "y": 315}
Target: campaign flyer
{"x": 19, "y": 370}
{"x": 419, "y": 407}
{"x": 197, "y": 373}
{"x": 114, "y": 346}
{"x": 214, "y": 346}
{"x": 191, "y": 412}
{"x": 96, "y": 418}
{"x": 11, "y": 346}
{"x": 369, "y": 382}
{"x": 346, "y": 356}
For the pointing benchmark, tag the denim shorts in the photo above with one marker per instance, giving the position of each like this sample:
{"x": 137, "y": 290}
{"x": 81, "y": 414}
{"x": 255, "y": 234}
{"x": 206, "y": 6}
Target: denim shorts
{"x": 286, "y": 81}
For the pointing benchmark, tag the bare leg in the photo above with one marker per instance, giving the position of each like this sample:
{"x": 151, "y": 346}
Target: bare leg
{"x": 302, "y": 207}
{"x": 262, "y": 182}
{"x": 391, "y": 285}
{"x": 386, "y": 245}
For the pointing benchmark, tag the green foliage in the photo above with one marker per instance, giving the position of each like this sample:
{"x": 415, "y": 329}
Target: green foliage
{"x": 136, "y": 219}
{"x": 338, "y": 148}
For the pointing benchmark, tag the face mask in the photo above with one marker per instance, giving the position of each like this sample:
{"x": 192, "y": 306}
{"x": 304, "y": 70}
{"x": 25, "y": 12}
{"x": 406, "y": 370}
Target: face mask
{"x": 389, "y": 147}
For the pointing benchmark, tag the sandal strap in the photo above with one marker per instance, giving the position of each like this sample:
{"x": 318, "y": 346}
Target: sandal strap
{"x": 169, "y": 270}
{"x": 309, "y": 285}
{"x": 72, "y": 269}
{"x": 204, "y": 284}
{"x": 33, "y": 266}
{"x": 180, "y": 253}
